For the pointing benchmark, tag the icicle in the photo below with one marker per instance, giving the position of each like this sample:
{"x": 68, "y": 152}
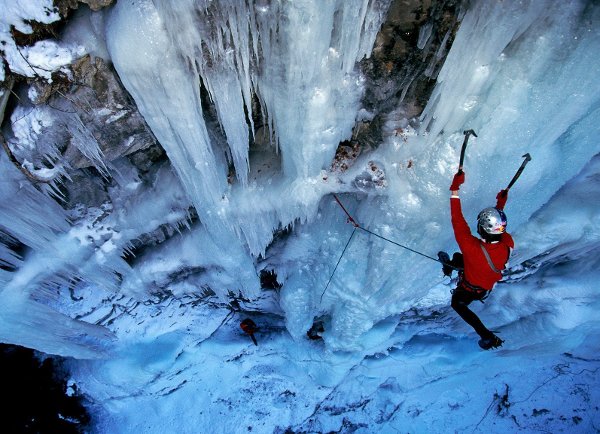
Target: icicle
{"x": 424, "y": 35}
{"x": 482, "y": 44}
{"x": 85, "y": 141}
{"x": 29, "y": 216}
{"x": 168, "y": 95}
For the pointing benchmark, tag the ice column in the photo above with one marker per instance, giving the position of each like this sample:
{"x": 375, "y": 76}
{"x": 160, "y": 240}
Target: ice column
{"x": 309, "y": 84}
{"x": 298, "y": 58}
{"x": 166, "y": 86}
{"x": 214, "y": 39}
{"x": 167, "y": 91}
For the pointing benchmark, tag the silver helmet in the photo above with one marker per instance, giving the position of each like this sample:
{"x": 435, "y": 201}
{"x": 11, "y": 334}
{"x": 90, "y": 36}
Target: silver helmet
{"x": 492, "y": 221}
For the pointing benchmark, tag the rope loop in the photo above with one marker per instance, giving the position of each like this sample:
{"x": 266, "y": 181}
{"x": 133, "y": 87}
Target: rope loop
{"x": 357, "y": 226}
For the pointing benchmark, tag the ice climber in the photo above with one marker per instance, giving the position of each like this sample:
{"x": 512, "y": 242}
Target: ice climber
{"x": 249, "y": 328}
{"x": 482, "y": 259}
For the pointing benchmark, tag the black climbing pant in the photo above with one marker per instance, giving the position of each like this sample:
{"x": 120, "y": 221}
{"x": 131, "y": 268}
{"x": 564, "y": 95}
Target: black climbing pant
{"x": 461, "y": 298}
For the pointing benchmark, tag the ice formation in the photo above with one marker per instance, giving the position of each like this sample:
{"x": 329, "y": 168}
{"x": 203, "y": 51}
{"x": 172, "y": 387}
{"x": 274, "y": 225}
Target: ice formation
{"x": 273, "y": 52}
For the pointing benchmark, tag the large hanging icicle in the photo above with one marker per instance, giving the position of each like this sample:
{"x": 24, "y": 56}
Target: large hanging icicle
{"x": 294, "y": 56}
{"x": 218, "y": 45}
{"x": 168, "y": 95}
{"x": 166, "y": 86}
{"x": 309, "y": 85}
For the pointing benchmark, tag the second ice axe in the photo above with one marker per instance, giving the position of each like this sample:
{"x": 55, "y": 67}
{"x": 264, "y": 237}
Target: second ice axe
{"x": 467, "y": 134}
{"x": 527, "y": 160}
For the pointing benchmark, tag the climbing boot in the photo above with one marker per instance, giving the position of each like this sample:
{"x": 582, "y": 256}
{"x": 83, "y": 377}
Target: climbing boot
{"x": 445, "y": 260}
{"x": 490, "y": 342}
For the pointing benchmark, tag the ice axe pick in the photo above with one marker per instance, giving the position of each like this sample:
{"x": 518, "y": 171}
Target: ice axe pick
{"x": 527, "y": 160}
{"x": 467, "y": 133}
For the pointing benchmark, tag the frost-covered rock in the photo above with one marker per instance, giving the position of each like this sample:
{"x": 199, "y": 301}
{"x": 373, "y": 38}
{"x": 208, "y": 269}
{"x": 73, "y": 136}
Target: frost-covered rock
{"x": 107, "y": 111}
{"x": 88, "y": 115}
{"x": 96, "y": 5}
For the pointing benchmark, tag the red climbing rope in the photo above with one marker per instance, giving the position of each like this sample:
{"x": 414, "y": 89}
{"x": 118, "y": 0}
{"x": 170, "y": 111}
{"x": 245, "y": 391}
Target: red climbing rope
{"x": 350, "y": 219}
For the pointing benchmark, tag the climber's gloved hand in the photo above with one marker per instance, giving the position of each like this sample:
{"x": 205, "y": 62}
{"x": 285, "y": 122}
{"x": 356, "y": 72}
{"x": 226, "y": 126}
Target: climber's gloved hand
{"x": 501, "y": 199}
{"x": 457, "y": 181}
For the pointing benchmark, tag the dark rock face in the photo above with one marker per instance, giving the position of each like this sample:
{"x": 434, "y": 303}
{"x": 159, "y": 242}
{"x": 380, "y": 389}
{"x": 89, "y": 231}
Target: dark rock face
{"x": 65, "y": 6}
{"x": 409, "y": 52}
{"x": 36, "y": 397}
{"x": 96, "y": 5}
{"x": 85, "y": 188}
{"x": 92, "y": 122}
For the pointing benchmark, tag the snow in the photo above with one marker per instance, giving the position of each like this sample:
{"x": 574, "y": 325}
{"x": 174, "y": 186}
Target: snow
{"x": 18, "y": 12}
{"x": 28, "y": 125}
{"x": 155, "y": 340}
{"x": 44, "y": 57}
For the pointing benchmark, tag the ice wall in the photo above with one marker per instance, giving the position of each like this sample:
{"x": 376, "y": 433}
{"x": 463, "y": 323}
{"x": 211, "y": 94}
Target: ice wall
{"x": 527, "y": 85}
{"x": 48, "y": 258}
{"x": 524, "y": 76}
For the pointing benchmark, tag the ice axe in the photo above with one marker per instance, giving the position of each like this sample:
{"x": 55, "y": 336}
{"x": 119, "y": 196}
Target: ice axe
{"x": 527, "y": 160}
{"x": 467, "y": 133}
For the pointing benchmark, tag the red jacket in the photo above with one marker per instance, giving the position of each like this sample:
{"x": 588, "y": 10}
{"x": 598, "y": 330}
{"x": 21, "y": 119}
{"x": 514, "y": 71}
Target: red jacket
{"x": 477, "y": 270}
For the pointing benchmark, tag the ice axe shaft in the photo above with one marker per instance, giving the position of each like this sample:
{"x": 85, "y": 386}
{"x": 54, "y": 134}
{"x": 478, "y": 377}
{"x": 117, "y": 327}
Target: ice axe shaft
{"x": 467, "y": 133}
{"x": 527, "y": 160}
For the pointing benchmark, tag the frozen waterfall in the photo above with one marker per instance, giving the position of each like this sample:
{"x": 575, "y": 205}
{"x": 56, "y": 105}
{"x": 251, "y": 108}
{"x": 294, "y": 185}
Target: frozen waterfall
{"x": 250, "y": 101}
{"x": 142, "y": 263}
